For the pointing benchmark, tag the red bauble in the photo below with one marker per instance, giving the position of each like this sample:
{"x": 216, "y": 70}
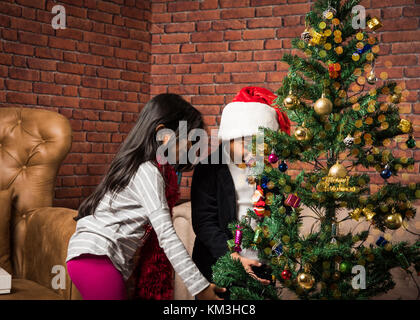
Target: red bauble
{"x": 286, "y": 274}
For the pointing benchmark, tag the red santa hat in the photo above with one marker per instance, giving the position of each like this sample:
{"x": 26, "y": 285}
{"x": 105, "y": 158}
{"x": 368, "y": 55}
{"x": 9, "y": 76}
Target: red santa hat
{"x": 250, "y": 109}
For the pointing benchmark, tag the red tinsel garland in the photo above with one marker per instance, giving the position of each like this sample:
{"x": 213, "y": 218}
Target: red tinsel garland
{"x": 154, "y": 271}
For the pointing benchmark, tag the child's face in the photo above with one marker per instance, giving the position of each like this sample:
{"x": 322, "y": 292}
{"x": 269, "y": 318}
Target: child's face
{"x": 239, "y": 149}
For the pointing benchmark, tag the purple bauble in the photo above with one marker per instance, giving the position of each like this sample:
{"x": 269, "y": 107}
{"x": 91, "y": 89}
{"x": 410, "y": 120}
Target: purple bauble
{"x": 273, "y": 158}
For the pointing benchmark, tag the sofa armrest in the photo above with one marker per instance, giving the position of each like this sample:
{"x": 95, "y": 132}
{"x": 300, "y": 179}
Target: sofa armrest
{"x": 45, "y": 249}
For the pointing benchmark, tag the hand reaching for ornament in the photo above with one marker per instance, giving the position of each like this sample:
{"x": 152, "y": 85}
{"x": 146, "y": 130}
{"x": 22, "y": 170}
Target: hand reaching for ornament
{"x": 210, "y": 293}
{"x": 248, "y": 264}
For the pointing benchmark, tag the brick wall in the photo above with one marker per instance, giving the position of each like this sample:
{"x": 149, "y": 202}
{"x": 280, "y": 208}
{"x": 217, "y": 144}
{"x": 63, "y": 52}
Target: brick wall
{"x": 95, "y": 72}
{"x": 115, "y": 55}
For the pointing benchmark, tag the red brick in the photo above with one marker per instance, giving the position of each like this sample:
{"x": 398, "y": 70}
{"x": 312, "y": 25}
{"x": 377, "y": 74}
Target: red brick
{"x": 98, "y": 137}
{"x": 70, "y": 91}
{"x": 9, "y": 34}
{"x": 100, "y": 16}
{"x": 27, "y": 25}
{"x": 238, "y": 13}
{"x": 273, "y": 44}
{"x": 244, "y": 55}
{"x": 291, "y": 9}
{"x": 264, "y": 12}
{"x": 110, "y": 116}
{"x": 93, "y": 82}
{"x": 207, "y": 36}
{"x": 92, "y": 104}
{"x": 247, "y": 45}
{"x": 70, "y": 68}
{"x": 102, "y": 50}
{"x": 265, "y": 23}
{"x": 117, "y": 31}
{"x": 240, "y": 67}
{"x": 187, "y": 58}
{"x": 248, "y": 77}
{"x": 219, "y": 56}
{"x": 389, "y": 3}
{"x": 89, "y": 59}
{"x": 24, "y": 74}
{"x": 234, "y": 3}
{"x": 229, "y": 24}
{"x": 232, "y": 35}
{"x": 208, "y": 15}
{"x": 47, "y": 88}
{"x": 175, "y": 38}
{"x": 255, "y": 3}
{"x": 49, "y": 53}
{"x": 402, "y": 36}
{"x": 411, "y": 11}
{"x": 183, "y": 6}
{"x": 112, "y": 95}
{"x": 131, "y": 76}
{"x": 259, "y": 34}
{"x": 65, "y": 102}
{"x": 42, "y": 64}
{"x": 10, "y": 9}
{"x": 206, "y": 68}
{"x": 17, "y": 85}
{"x": 268, "y": 55}
{"x": 201, "y": 78}
{"x": 20, "y": 98}
{"x": 166, "y": 79}
{"x": 180, "y": 27}
{"x": 108, "y": 7}
{"x": 27, "y": 37}
{"x": 210, "y": 47}
{"x": 18, "y": 48}
{"x": 208, "y": 100}
{"x": 77, "y": 23}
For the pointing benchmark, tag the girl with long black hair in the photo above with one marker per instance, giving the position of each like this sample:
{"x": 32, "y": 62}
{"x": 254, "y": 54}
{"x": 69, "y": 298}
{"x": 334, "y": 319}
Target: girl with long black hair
{"x": 111, "y": 221}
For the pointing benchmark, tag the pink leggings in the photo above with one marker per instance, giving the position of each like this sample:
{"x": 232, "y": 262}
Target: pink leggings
{"x": 96, "y": 278}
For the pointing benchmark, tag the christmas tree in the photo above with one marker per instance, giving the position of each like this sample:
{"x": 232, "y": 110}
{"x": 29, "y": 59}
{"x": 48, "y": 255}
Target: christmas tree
{"x": 344, "y": 122}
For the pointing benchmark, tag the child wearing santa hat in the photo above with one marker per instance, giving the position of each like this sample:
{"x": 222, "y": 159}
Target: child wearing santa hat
{"x": 220, "y": 193}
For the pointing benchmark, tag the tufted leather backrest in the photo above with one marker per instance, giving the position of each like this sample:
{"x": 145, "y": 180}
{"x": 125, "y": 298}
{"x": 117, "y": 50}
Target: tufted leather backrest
{"x": 33, "y": 142}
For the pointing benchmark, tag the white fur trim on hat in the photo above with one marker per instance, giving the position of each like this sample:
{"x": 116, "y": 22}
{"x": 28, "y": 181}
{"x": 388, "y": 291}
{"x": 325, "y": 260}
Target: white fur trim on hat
{"x": 241, "y": 119}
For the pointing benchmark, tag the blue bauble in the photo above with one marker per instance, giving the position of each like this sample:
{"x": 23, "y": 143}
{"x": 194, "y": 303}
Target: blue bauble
{"x": 264, "y": 181}
{"x": 359, "y": 51}
{"x": 283, "y": 166}
{"x": 385, "y": 174}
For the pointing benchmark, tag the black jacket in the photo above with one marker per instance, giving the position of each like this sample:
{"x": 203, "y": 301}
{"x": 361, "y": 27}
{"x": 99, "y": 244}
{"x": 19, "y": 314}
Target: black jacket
{"x": 213, "y": 203}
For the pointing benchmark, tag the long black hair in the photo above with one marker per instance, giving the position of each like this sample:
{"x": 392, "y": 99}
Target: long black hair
{"x": 141, "y": 145}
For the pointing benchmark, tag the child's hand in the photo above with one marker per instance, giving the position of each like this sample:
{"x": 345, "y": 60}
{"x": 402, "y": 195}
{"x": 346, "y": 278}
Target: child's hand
{"x": 248, "y": 263}
{"x": 210, "y": 293}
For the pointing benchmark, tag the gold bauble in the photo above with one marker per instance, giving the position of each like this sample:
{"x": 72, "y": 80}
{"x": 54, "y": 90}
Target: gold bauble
{"x": 323, "y": 106}
{"x": 338, "y": 171}
{"x": 371, "y": 79}
{"x": 393, "y": 221}
{"x": 395, "y": 98}
{"x": 405, "y": 126}
{"x": 291, "y": 101}
{"x": 302, "y": 134}
{"x": 305, "y": 280}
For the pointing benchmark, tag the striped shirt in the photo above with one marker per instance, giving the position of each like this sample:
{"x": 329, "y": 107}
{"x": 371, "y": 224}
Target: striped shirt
{"x": 116, "y": 229}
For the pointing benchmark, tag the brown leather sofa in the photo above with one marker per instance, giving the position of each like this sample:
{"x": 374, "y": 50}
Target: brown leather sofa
{"x": 33, "y": 235}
